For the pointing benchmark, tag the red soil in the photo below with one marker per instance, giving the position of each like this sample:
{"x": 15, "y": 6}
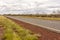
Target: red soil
{"x": 1, "y": 32}
{"x": 45, "y": 34}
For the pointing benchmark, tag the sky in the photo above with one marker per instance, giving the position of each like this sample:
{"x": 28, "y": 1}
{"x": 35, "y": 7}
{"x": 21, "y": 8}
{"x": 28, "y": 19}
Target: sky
{"x": 14, "y": 6}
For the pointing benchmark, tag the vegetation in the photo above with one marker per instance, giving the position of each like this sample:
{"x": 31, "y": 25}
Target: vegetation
{"x": 35, "y": 15}
{"x": 49, "y": 18}
{"x": 15, "y": 32}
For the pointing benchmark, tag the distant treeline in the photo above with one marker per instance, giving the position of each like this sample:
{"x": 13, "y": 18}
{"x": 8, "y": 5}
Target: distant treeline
{"x": 35, "y": 15}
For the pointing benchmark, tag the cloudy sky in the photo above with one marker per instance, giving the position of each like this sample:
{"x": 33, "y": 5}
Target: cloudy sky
{"x": 8, "y": 5}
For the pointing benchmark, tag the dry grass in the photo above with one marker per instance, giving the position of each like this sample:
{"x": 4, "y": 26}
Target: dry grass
{"x": 49, "y": 18}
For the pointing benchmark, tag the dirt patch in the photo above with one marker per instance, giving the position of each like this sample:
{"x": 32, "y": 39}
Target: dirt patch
{"x": 1, "y": 32}
{"x": 45, "y": 34}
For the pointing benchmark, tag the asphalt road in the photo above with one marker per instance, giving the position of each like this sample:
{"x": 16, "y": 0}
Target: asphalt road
{"x": 48, "y": 24}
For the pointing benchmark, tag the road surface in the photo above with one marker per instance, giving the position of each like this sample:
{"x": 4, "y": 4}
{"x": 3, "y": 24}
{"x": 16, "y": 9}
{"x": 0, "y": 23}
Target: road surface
{"x": 48, "y": 24}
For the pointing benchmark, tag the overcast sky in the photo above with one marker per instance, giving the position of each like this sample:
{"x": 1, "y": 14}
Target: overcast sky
{"x": 28, "y": 4}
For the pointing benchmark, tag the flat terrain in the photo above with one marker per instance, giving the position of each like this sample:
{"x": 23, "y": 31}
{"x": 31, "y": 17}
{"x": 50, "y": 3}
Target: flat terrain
{"x": 49, "y": 24}
{"x": 45, "y": 34}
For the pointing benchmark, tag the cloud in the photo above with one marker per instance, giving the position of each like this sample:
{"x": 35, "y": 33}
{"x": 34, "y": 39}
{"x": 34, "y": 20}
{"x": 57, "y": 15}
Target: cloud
{"x": 28, "y": 4}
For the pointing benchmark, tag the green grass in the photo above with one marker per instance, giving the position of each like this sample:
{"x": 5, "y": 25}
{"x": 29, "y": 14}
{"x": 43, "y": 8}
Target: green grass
{"x": 15, "y": 32}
